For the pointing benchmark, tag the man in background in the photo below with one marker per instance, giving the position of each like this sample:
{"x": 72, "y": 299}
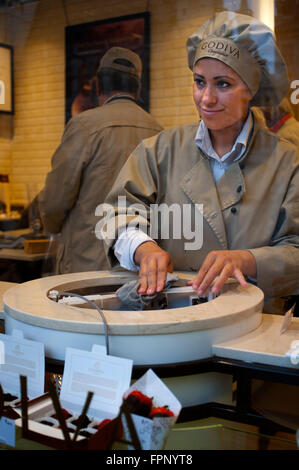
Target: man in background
{"x": 94, "y": 147}
{"x": 281, "y": 121}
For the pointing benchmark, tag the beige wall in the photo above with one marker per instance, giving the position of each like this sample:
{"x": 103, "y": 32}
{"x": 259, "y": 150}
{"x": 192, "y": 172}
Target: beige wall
{"x": 37, "y": 33}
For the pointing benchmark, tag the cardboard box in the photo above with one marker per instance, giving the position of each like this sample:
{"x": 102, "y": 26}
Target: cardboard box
{"x": 32, "y": 247}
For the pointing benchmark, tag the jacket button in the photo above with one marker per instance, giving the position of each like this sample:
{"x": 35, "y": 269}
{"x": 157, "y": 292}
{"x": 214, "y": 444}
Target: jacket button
{"x": 239, "y": 189}
{"x": 233, "y": 210}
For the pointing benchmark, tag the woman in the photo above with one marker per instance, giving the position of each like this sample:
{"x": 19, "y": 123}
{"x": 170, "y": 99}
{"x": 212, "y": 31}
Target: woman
{"x": 244, "y": 179}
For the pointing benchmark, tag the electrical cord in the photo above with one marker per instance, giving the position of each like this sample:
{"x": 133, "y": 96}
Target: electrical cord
{"x": 71, "y": 294}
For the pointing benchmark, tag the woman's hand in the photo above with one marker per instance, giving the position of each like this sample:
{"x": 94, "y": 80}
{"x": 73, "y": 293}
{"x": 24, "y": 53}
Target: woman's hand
{"x": 225, "y": 264}
{"x": 154, "y": 264}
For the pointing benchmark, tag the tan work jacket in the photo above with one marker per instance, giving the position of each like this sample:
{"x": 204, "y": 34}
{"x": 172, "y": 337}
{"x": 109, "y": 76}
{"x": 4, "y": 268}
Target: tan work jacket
{"x": 253, "y": 206}
{"x": 290, "y": 131}
{"x": 94, "y": 147}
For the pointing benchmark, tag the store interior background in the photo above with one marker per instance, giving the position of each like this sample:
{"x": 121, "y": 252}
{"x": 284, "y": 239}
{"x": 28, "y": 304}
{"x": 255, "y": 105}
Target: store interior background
{"x": 36, "y": 31}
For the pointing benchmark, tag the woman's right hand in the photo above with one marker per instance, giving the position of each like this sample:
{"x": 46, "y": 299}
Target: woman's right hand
{"x": 154, "y": 264}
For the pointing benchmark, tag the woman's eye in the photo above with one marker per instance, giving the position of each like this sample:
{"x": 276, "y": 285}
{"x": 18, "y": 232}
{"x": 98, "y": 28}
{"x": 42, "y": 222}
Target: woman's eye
{"x": 223, "y": 84}
{"x": 199, "y": 83}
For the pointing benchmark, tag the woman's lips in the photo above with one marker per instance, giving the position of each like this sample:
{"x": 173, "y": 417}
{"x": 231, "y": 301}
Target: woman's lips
{"x": 211, "y": 112}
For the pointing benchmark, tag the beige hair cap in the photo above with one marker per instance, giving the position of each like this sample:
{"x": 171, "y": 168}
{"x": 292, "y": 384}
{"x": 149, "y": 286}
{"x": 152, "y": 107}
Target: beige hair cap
{"x": 249, "y": 48}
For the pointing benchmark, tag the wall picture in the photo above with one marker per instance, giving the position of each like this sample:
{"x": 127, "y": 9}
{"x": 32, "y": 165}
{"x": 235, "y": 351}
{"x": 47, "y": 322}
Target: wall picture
{"x": 87, "y": 43}
{"x": 6, "y": 79}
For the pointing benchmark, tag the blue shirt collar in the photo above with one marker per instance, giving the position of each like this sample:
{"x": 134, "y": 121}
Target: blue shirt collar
{"x": 203, "y": 141}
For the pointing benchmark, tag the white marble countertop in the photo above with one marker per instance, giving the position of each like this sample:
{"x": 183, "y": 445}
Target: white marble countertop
{"x": 4, "y": 286}
{"x": 265, "y": 345}
{"x": 28, "y": 302}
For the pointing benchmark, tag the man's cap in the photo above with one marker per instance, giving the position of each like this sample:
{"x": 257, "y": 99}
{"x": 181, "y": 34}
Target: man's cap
{"x": 123, "y": 60}
{"x": 249, "y": 48}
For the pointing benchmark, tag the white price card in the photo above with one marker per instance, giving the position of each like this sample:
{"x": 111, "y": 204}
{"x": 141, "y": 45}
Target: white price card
{"x": 7, "y": 431}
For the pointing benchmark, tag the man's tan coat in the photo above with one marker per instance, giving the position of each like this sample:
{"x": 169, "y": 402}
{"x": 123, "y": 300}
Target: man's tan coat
{"x": 94, "y": 147}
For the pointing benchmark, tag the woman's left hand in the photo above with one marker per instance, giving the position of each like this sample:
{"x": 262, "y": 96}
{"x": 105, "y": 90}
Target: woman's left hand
{"x": 224, "y": 264}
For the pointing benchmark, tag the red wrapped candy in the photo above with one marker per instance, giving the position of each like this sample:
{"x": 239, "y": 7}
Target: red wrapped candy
{"x": 138, "y": 403}
{"x": 110, "y": 429}
{"x": 103, "y": 423}
{"x": 161, "y": 412}
{"x": 65, "y": 414}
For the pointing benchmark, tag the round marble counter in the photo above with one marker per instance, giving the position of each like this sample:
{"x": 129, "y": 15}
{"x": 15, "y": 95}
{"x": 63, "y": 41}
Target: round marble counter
{"x": 148, "y": 336}
{"x": 29, "y": 303}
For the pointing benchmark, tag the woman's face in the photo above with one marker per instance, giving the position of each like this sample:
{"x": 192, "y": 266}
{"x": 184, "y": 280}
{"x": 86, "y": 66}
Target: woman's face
{"x": 220, "y": 95}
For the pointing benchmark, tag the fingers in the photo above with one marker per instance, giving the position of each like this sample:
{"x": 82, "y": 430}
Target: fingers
{"x": 153, "y": 279}
{"x": 207, "y": 273}
{"x": 154, "y": 265}
{"x": 217, "y": 268}
{"x": 152, "y": 275}
{"x": 225, "y": 274}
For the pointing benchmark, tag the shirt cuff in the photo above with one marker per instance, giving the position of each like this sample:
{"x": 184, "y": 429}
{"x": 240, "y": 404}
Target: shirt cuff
{"x": 126, "y": 245}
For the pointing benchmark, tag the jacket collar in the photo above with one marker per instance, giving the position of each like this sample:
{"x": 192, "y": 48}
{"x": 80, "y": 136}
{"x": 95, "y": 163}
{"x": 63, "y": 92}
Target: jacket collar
{"x": 120, "y": 97}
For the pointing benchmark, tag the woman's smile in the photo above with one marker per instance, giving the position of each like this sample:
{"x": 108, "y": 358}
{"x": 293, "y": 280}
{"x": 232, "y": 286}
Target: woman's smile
{"x": 210, "y": 112}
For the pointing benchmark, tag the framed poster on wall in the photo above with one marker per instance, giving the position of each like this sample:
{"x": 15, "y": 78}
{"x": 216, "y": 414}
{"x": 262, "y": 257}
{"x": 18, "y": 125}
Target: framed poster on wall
{"x": 6, "y": 79}
{"x": 85, "y": 45}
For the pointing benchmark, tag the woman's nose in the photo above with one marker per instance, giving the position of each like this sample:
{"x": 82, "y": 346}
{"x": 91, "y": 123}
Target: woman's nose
{"x": 209, "y": 95}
